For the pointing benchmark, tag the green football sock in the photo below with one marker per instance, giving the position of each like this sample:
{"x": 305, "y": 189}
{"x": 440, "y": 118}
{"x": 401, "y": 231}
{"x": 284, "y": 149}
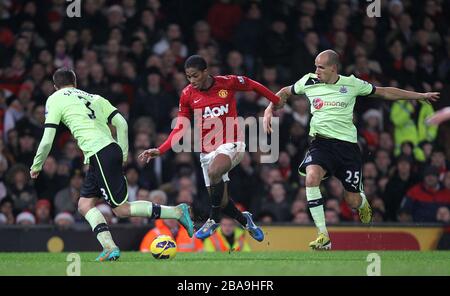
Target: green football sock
{"x": 315, "y": 204}
{"x": 144, "y": 208}
{"x": 100, "y": 228}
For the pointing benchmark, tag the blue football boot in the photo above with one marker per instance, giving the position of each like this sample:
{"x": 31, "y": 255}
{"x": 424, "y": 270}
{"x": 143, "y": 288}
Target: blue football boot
{"x": 207, "y": 229}
{"x": 255, "y": 231}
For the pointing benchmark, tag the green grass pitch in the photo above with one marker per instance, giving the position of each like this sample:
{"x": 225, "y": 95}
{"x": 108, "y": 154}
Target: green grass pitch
{"x": 254, "y": 263}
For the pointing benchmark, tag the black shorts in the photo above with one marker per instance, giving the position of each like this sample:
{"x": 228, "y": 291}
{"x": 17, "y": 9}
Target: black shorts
{"x": 105, "y": 178}
{"x": 339, "y": 158}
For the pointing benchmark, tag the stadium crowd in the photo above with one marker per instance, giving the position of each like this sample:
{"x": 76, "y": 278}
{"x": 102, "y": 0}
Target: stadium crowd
{"x": 132, "y": 53}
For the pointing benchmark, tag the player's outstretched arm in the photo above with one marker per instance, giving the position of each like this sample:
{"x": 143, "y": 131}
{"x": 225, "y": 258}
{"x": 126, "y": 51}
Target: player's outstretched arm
{"x": 43, "y": 150}
{"x": 439, "y": 117}
{"x": 393, "y": 93}
{"x": 284, "y": 95}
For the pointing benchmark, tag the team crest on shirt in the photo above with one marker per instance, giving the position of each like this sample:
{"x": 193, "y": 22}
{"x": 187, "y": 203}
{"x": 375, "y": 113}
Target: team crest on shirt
{"x": 343, "y": 90}
{"x": 223, "y": 93}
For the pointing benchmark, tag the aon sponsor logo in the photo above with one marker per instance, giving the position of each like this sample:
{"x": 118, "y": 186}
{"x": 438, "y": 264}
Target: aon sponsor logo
{"x": 215, "y": 112}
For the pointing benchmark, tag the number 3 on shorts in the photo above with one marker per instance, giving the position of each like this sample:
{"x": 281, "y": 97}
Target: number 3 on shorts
{"x": 105, "y": 196}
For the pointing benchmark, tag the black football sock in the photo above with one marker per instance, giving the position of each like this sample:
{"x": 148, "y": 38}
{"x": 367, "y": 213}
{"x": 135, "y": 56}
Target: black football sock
{"x": 216, "y": 194}
{"x": 231, "y": 211}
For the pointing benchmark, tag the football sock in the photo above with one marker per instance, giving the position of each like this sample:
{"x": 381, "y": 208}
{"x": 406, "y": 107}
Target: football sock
{"x": 100, "y": 228}
{"x": 216, "y": 194}
{"x": 315, "y": 204}
{"x": 142, "y": 208}
{"x": 363, "y": 200}
{"x": 231, "y": 211}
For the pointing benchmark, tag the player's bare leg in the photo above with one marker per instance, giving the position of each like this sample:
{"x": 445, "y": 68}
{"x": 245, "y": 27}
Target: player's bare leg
{"x": 358, "y": 200}
{"x": 151, "y": 210}
{"x": 314, "y": 175}
{"x": 86, "y": 207}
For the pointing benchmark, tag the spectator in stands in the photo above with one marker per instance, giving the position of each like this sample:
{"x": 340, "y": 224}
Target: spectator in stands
{"x": 20, "y": 189}
{"x": 276, "y": 48}
{"x": 383, "y": 162}
{"x": 372, "y": 126}
{"x": 25, "y": 218}
{"x": 227, "y": 238}
{"x": 152, "y": 100}
{"x": 438, "y": 160}
{"x": 49, "y": 182}
{"x": 64, "y": 220}
{"x": 235, "y": 63}
{"x": 143, "y": 194}
{"x": 409, "y": 122}
{"x": 173, "y": 32}
{"x": 370, "y": 170}
{"x": 6, "y": 208}
{"x": 331, "y": 216}
{"x": 398, "y": 185}
{"x": 443, "y": 215}
{"x": 202, "y": 37}
{"x": 298, "y": 205}
{"x": 43, "y": 212}
{"x": 245, "y": 180}
{"x": 333, "y": 204}
{"x": 277, "y": 202}
{"x": 386, "y": 142}
{"x": 132, "y": 176}
{"x": 14, "y": 113}
{"x": 27, "y": 145}
{"x": 420, "y": 200}
{"x": 301, "y": 217}
{"x": 249, "y": 34}
{"x": 66, "y": 200}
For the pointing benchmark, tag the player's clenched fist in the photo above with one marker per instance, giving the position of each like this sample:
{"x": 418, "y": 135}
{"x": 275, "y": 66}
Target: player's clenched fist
{"x": 34, "y": 174}
{"x": 149, "y": 154}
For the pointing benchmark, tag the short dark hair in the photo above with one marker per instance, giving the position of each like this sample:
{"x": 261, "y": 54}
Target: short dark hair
{"x": 197, "y": 62}
{"x": 64, "y": 76}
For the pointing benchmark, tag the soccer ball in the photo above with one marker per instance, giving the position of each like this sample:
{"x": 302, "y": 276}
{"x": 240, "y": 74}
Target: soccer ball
{"x": 163, "y": 247}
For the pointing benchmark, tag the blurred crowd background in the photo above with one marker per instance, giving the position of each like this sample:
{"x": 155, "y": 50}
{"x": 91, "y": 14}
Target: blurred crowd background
{"x": 132, "y": 52}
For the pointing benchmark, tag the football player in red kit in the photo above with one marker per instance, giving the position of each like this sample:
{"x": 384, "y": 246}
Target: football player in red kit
{"x": 211, "y": 100}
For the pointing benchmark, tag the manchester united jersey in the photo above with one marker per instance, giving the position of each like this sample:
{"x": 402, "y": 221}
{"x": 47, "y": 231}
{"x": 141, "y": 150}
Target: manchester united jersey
{"x": 214, "y": 110}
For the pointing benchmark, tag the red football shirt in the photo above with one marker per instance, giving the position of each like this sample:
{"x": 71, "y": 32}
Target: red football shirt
{"x": 214, "y": 111}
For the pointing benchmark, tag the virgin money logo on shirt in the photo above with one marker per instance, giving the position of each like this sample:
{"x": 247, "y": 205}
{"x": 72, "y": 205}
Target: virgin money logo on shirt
{"x": 318, "y": 104}
{"x": 215, "y": 112}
